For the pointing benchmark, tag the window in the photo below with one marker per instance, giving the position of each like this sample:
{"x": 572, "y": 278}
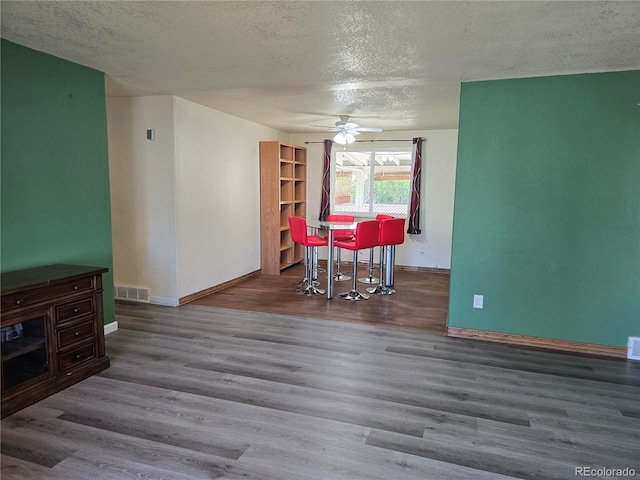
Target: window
{"x": 368, "y": 182}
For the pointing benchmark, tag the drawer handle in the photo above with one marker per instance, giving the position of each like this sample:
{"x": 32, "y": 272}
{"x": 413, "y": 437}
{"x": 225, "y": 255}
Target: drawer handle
{"x": 76, "y": 310}
{"x": 76, "y": 287}
{"x": 19, "y": 302}
{"x": 77, "y": 333}
{"x": 78, "y": 356}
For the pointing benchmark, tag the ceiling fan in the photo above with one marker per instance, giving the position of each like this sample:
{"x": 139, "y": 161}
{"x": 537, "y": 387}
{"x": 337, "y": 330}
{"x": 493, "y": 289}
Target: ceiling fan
{"x": 347, "y": 131}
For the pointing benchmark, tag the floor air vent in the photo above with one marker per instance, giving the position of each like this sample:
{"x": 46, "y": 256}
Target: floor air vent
{"x": 133, "y": 294}
{"x": 633, "y": 348}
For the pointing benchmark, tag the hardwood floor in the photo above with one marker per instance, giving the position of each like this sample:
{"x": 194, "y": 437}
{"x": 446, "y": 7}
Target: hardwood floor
{"x": 200, "y": 392}
{"x": 421, "y": 301}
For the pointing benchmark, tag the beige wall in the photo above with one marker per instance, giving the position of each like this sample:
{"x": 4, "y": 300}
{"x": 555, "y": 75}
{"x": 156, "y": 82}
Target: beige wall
{"x": 218, "y": 195}
{"x": 186, "y": 206}
{"x": 142, "y": 182}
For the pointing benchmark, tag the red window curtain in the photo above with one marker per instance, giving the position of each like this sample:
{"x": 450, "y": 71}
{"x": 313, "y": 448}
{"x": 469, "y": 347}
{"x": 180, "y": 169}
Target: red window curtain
{"x": 413, "y": 225}
{"x": 325, "y": 199}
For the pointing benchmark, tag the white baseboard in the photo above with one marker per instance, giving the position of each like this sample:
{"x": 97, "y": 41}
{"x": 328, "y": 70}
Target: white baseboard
{"x": 166, "y": 301}
{"x": 110, "y": 328}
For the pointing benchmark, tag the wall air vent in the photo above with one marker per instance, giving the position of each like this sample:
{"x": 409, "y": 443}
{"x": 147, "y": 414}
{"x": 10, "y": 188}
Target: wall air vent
{"x": 633, "y": 348}
{"x": 132, "y": 294}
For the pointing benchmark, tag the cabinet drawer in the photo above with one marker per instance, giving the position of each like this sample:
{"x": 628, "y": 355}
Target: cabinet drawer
{"x": 76, "y": 333}
{"x": 71, "y": 310}
{"x": 76, "y": 356}
{"x": 45, "y": 294}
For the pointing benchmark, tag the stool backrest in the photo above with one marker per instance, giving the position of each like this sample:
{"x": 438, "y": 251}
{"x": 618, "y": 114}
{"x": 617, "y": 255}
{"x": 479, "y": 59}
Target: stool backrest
{"x": 298, "y": 227}
{"x": 342, "y": 234}
{"x": 367, "y": 233}
{"x": 392, "y": 231}
{"x": 382, "y": 216}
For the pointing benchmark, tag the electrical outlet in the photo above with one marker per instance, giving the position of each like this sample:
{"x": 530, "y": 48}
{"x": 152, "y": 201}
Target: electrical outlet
{"x": 421, "y": 252}
{"x": 478, "y": 301}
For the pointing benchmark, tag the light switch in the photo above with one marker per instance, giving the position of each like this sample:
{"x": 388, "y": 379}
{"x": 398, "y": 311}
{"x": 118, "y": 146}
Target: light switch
{"x": 478, "y": 301}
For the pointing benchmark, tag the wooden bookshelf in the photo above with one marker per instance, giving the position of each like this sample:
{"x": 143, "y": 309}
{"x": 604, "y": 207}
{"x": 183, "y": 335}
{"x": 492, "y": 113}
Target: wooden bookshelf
{"x": 283, "y": 193}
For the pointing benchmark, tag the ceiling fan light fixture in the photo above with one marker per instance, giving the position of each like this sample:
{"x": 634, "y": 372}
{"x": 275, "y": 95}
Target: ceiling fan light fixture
{"x": 344, "y": 137}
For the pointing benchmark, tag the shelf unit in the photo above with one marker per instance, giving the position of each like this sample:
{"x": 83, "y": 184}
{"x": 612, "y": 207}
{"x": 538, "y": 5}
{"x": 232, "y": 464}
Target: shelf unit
{"x": 283, "y": 193}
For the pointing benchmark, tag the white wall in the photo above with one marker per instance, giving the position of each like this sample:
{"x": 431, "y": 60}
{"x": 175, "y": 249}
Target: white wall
{"x": 142, "y": 180}
{"x": 218, "y": 195}
{"x": 438, "y": 183}
{"x": 185, "y": 206}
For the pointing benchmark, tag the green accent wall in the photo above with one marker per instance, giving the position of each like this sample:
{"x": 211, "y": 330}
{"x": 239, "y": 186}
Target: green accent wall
{"x": 547, "y": 208}
{"x": 55, "y": 205}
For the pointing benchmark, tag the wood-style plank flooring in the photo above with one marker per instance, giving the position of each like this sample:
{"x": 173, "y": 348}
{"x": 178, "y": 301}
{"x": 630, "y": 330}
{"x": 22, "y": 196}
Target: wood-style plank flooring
{"x": 200, "y": 392}
{"x": 421, "y": 301}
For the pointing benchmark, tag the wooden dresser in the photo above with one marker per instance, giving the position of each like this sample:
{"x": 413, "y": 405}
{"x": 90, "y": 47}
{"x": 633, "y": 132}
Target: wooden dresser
{"x": 52, "y": 331}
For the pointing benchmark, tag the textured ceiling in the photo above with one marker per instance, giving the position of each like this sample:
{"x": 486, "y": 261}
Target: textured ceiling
{"x": 294, "y": 64}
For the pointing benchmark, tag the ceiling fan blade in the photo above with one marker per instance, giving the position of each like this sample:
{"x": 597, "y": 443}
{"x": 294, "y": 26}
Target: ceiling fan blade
{"x": 367, "y": 129}
{"x": 344, "y": 127}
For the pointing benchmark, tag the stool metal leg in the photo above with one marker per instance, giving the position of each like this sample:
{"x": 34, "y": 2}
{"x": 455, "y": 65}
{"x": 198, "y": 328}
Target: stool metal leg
{"x": 305, "y": 281}
{"x": 354, "y": 295}
{"x": 370, "y": 279}
{"x": 339, "y": 276}
{"x": 382, "y": 289}
{"x": 314, "y": 265}
{"x": 315, "y": 270}
{"x": 310, "y": 287}
{"x": 379, "y": 290}
{"x": 390, "y": 263}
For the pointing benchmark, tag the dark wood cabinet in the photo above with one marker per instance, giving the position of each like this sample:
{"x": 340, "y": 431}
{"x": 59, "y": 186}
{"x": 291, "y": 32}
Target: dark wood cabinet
{"x": 52, "y": 331}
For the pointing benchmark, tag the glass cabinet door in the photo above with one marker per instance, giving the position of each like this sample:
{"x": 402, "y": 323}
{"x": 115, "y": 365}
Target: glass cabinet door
{"x": 24, "y": 351}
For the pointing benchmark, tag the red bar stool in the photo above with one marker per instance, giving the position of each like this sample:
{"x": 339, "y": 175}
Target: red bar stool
{"x": 370, "y": 279}
{"x": 341, "y": 235}
{"x": 366, "y": 237}
{"x": 298, "y": 226}
{"x": 391, "y": 234}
